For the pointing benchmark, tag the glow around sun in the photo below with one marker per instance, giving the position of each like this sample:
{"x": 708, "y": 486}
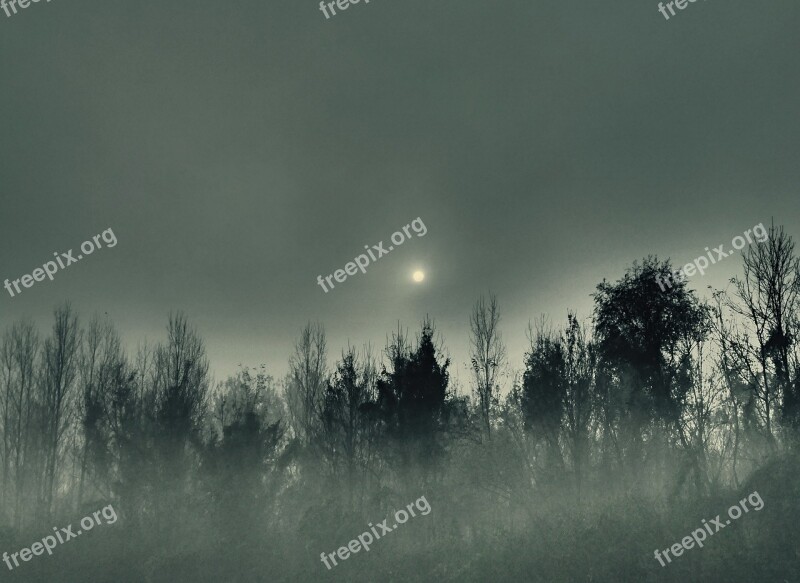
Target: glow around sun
{"x": 418, "y": 276}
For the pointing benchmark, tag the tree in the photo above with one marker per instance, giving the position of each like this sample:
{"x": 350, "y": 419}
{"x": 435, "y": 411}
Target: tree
{"x": 487, "y": 356}
{"x": 245, "y": 444}
{"x": 639, "y": 329}
{"x": 346, "y": 424}
{"x": 412, "y": 399}
{"x": 305, "y": 384}
{"x": 61, "y": 357}
{"x": 100, "y": 363}
{"x": 767, "y": 295}
{"x": 580, "y": 364}
{"x": 19, "y": 356}
{"x": 180, "y": 390}
{"x": 543, "y": 392}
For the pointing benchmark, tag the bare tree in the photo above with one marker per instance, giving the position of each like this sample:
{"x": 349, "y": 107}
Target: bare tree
{"x": 100, "y": 358}
{"x": 61, "y": 354}
{"x": 181, "y": 388}
{"x": 18, "y": 358}
{"x": 579, "y": 369}
{"x": 735, "y": 369}
{"x": 487, "y": 355}
{"x": 305, "y": 383}
{"x": 767, "y": 296}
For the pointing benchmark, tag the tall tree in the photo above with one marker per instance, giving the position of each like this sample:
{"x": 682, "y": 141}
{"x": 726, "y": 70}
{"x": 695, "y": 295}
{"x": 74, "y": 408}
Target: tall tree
{"x": 180, "y": 387}
{"x": 579, "y": 367}
{"x": 18, "y": 378}
{"x": 413, "y": 399}
{"x": 543, "y": 393}
{"x": 100, "y": 363}
{"x": 245, "y": 445}
{"x": 61, "y": 358}
{"x": 347, "y": 424}
{"x": 306, "y": 382}
{"x": 639, "y": 328}
{"x": 767, "y": 295}
{"x": 487, "y": 356}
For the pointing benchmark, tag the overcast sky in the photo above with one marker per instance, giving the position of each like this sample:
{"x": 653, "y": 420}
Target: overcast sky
{"x": 239, "y": 150}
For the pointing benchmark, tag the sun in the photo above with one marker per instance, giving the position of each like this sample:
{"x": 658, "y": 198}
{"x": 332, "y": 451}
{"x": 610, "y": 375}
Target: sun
{"x": 418, "y": 276}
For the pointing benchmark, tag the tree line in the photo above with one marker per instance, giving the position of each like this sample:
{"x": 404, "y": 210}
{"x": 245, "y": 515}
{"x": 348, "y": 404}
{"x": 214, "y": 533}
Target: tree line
{"x": 659, "y": 394}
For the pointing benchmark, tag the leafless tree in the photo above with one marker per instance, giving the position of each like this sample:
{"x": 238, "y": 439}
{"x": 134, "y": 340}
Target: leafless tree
{"x": 305, "y": 383}
{"x": 18, "y": 360}
{"x": 579, "y": 369}
{"x": 180, "y": 398}
{"x": 487, "y": 356}
{"x": 61, "y": 358}
{"x": 767, "y": 295}
{"x": 100, "y": 360}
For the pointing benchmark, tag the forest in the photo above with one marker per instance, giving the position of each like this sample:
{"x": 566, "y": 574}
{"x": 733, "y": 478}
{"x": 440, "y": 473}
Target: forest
{"x": 616, "y": 435}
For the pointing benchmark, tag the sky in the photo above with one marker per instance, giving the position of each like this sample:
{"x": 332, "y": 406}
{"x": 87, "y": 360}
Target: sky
{"x": 239, "y": 150}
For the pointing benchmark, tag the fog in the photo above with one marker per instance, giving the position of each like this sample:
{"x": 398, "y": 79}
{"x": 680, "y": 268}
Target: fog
{"x": 606, "y": 455}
